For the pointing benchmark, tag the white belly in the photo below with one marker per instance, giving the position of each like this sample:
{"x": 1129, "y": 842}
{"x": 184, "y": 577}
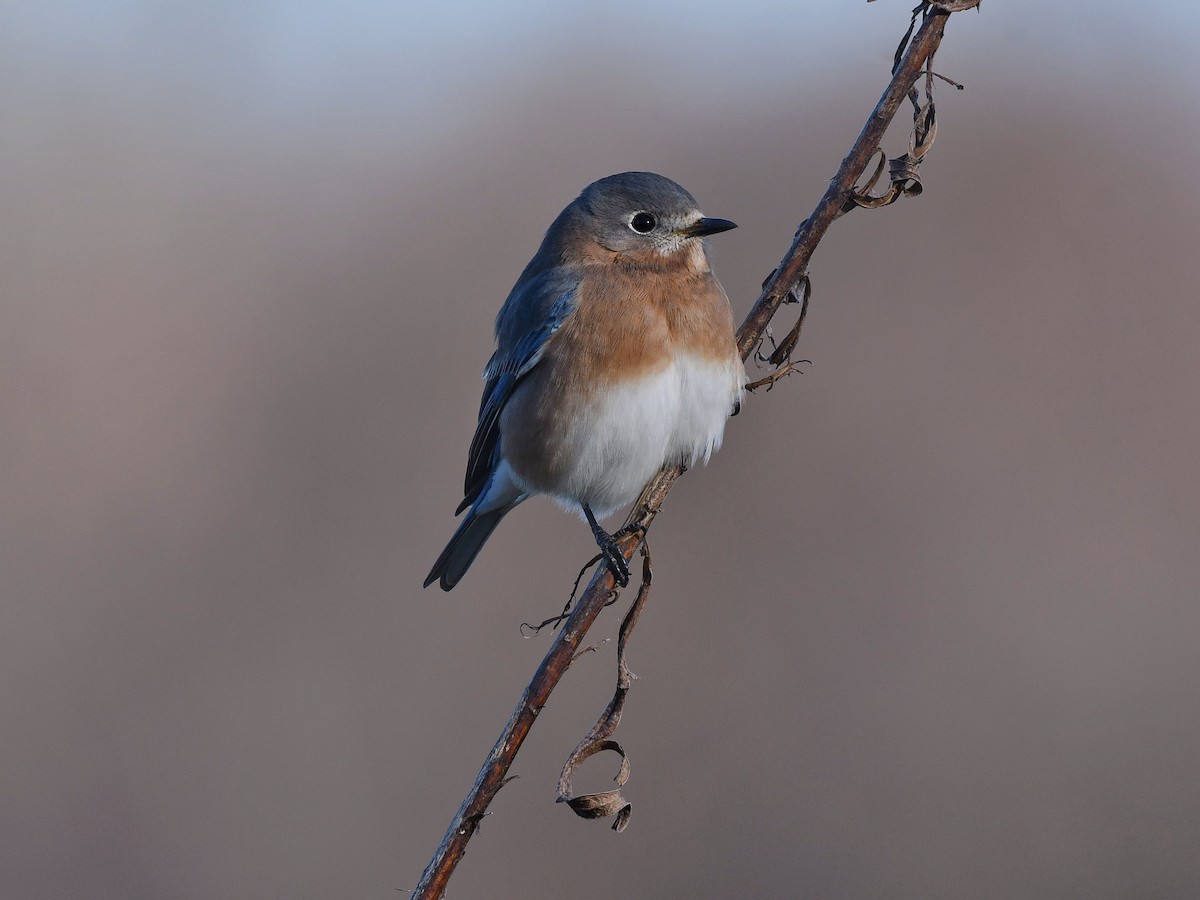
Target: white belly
{"x": 634, "y": 428}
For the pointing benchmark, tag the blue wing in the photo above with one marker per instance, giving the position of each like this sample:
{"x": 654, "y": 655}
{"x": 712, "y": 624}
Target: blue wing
{"x": 534, "y": 310}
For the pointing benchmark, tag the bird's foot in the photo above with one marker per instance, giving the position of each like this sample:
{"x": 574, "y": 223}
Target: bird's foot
{"x": 627, "y": 530}
{"x": 613, "y": 557}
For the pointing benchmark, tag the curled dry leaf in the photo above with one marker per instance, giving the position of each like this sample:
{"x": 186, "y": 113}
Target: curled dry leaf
{"x": 602, "y": 803}
{"x": 608, "y": 803}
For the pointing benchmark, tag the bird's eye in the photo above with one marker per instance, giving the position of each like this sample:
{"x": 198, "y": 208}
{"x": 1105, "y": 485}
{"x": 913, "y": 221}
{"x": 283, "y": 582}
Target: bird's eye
{"x": 643, "y": 222}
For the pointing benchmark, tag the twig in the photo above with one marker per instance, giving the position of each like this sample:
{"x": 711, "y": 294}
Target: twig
{"x": 554, "y": 664}
{"x": 776, "y": 290}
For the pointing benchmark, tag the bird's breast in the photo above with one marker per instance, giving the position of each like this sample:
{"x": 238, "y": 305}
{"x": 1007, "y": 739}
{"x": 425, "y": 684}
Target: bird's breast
{"x": 600, "y": 445}
{"x": 644, "y": 372}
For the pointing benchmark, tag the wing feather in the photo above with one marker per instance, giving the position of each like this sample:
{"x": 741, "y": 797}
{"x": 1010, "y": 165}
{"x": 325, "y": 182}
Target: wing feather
{"x": 533, "y": 312}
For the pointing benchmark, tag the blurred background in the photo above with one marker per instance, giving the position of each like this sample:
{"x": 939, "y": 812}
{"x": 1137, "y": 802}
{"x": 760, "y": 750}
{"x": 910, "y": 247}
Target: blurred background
{"x": 927, "y": 627}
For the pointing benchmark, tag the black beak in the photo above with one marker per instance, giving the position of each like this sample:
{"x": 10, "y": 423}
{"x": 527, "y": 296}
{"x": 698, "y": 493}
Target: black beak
{"x": 707, "y": 226}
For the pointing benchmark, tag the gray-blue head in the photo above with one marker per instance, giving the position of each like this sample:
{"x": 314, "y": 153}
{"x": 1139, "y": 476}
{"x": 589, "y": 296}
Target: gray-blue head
{"x": 638, "y": 212}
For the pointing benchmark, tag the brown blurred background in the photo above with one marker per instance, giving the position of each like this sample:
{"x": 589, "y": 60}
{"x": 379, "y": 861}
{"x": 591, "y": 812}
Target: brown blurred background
{"x": 927, "y": 627}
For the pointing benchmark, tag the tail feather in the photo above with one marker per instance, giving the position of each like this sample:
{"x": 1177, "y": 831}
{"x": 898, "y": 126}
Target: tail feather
{"x": 468, "y": 540}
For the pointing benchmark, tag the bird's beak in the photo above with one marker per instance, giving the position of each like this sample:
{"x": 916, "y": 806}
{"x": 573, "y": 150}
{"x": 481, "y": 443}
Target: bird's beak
{"x": 706, "y": 226}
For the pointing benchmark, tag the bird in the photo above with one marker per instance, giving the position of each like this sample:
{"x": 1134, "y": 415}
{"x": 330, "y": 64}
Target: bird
{"x": 615, "y": 356}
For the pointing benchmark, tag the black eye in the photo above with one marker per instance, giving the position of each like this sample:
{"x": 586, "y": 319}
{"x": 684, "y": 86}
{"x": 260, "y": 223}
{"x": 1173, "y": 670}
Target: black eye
{"x": 643, "y": 222}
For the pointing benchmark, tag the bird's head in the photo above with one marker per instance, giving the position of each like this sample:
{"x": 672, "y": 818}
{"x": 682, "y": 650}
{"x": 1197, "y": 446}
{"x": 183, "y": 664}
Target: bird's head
{"x": 643, "y": 215}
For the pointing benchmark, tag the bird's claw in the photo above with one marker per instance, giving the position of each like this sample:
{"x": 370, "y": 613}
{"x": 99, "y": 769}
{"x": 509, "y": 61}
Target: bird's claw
{"x": 614, "y": 559}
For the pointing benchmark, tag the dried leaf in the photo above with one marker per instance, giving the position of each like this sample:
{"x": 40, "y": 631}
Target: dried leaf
{"x": 599, "y": 738}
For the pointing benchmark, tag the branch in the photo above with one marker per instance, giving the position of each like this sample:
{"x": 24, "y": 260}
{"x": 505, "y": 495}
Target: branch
{"x": 779, "y": 288}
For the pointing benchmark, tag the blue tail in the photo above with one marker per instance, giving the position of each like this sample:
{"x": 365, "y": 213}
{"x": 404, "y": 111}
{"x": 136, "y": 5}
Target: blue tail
{"x": 472, "y": 534}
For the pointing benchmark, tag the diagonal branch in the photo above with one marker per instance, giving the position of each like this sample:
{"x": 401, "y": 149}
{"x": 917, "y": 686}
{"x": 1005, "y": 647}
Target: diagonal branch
{"x": 776, "y": 291}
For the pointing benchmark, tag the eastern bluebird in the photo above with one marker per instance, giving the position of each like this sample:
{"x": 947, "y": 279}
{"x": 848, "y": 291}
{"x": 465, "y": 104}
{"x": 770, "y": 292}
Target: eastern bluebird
{"x": 615, "y": 355}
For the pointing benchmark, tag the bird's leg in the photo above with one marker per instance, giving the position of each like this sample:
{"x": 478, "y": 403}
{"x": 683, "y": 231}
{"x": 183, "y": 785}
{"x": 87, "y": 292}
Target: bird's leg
{"x": 613, "y": 557}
